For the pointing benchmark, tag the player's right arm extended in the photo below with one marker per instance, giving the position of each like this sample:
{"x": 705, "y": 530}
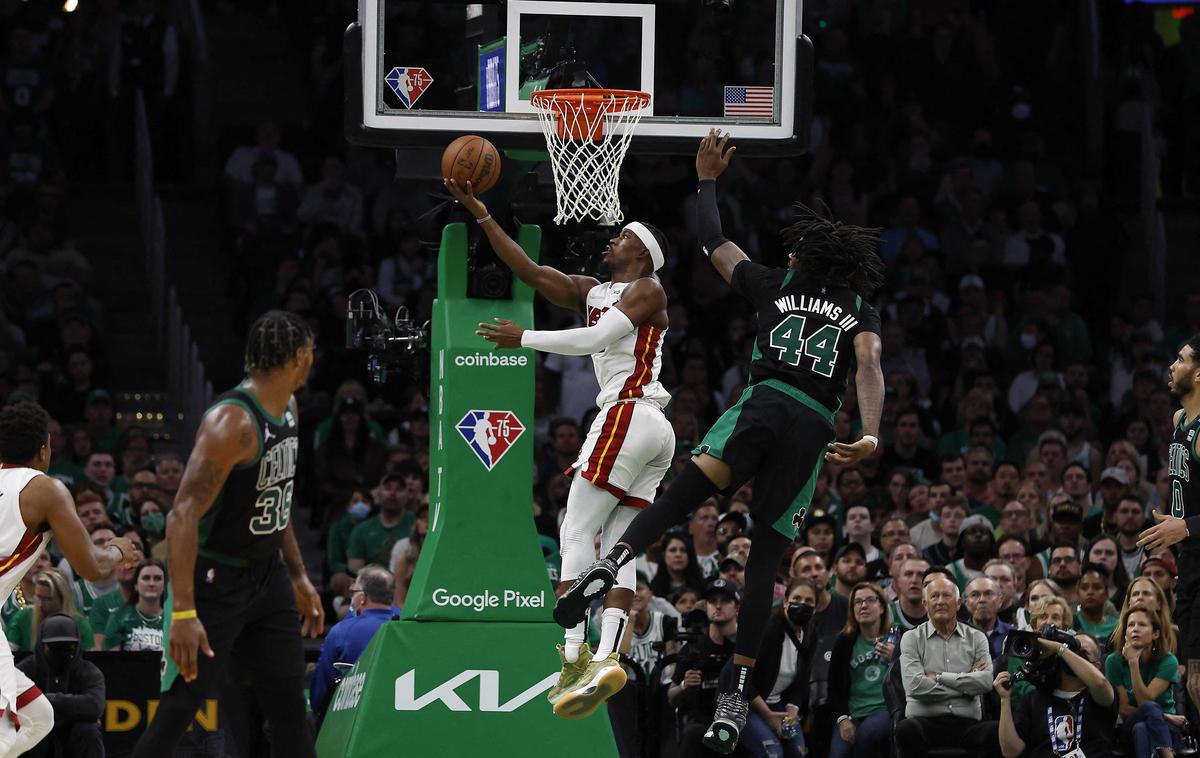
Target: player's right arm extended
{"x": 54, "y": 506}
{"x": 557, "y": 287}
{"x": 226, "y": 437}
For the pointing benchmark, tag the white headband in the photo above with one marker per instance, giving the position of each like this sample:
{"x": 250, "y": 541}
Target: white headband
{"x": 647, "y": 238}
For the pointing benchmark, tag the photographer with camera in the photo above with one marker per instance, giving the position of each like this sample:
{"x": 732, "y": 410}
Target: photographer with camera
{"x": 693, "y": 691}
{"x": 1071, "y": 714}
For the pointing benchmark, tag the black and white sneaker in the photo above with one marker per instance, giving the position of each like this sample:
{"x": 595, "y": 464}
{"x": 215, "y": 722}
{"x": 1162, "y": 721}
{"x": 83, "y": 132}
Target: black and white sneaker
{"x": 728, "y": 722}
{"x": 594, "y": 582}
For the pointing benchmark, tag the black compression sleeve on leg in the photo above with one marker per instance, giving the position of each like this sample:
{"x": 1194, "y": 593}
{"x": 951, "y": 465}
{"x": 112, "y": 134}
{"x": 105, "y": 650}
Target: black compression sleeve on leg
{"x": 708, "y": 217}
{"x": 769, "y": 547}
{"x": 688, "y": 490}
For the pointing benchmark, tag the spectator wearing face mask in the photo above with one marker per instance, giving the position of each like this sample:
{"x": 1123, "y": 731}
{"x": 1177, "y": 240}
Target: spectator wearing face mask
{"x": 781, "y": 675}
{"x": 356, "y": 507}
{"x": 74, "y": 687}
{"x": 372, "y": 601}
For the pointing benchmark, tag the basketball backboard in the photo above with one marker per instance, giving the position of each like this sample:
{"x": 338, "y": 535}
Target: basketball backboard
{"x": 421, "y": 73}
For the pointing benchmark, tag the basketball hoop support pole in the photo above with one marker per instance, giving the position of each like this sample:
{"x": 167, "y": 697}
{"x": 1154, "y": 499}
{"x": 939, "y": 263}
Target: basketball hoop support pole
{"x": 466, "y": 669}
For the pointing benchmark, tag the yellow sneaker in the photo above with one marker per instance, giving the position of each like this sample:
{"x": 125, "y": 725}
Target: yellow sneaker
{"x": 571, "y": 675}
{"x": 603, "y": 679}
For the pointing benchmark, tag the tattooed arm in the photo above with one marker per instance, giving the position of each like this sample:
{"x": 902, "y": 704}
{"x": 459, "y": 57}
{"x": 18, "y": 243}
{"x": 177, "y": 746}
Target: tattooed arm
{"x": 226, "y": 438}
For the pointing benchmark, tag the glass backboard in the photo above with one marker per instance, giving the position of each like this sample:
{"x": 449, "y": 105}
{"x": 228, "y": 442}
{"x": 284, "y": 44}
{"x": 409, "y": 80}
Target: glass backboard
{"x": 422, "y": 73}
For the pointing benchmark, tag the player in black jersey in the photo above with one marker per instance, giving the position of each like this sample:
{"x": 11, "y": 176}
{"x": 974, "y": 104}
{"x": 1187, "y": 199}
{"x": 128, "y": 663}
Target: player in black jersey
{"x": 812, "y": 325}
{"x": 232, "y": 594}
{"x": 1182, "y": 525}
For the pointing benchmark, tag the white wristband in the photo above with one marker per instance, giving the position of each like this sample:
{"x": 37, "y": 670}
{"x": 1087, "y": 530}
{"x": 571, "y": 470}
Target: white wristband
{"x": 843, "y": 718}
{"x": 874, "y": 440}
{"x": 483, "y": 220}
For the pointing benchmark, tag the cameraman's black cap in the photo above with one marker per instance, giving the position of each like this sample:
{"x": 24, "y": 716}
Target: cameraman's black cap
{"x": 720, "y": 586}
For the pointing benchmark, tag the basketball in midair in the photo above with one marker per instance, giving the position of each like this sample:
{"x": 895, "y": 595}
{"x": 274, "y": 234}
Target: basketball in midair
{"x": 472, "y": 158}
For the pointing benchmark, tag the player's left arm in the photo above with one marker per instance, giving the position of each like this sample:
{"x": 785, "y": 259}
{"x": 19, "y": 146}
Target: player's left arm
{"x": 869, "y": 382}
{"x": 308, "y": 601}
{"x": 641, "y": 302}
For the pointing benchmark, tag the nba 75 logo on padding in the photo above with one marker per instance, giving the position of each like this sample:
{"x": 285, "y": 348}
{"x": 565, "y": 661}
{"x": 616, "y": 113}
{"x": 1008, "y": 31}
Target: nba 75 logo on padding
{"x": 490, "y": 434}
{"x": 409, "y": 83}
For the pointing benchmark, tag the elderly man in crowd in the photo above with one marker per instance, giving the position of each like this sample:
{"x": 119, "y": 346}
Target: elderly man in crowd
{"x": 946, "y": 667}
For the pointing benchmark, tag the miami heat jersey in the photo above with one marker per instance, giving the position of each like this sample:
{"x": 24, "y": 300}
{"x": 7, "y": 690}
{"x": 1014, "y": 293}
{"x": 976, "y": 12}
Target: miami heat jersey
{"x": 18, "y": 546}
{"x": 628, "y": 369}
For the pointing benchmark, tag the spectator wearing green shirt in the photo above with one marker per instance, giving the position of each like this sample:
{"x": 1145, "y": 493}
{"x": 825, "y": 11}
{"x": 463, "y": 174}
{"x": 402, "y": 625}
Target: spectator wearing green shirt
{"x": 354, "y": 389}
{"x": 1143, "y": 671}
{"x": 51, "y": 594}
{"x": 356, "y": 508}
{"x": 62, "y": 467}
{"x": 138, "y": 625}
{"x": 141, "y": 484}
{"x": 105, "y": 605}
{"x": 373, "y": 539}
{"x": 23, "y": 595}
{"x": 349, "y": 458}
{"x": 86, "y": 591}
{"x": 1096, "y": 615}
{"x": 857, "y": 670}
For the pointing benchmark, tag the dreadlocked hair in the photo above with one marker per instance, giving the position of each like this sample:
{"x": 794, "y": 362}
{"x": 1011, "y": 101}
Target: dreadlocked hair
{"x": 274, "y": 339}
{"x": 833, "y": 254}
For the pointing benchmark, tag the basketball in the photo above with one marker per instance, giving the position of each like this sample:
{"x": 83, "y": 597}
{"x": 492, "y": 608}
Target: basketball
{"x": 474, "y": 159}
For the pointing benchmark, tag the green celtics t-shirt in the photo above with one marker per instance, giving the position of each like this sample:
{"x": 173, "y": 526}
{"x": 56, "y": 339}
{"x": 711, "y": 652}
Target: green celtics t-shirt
{"x": 372, "y": 542}
{"x": 104, "y": 607}
{"x": 1101, "y": 631}
{"x": 130, "y": 629}
{"x": 867, "y": 670}
{"x": 1116, "y": 669}
{"x": 20, "y": 631}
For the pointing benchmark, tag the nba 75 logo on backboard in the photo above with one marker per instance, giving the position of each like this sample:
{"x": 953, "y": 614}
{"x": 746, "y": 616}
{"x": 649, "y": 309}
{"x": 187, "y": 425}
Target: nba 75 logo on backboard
{"x": 490, "y": 434}
{"x": 409, "y": 83}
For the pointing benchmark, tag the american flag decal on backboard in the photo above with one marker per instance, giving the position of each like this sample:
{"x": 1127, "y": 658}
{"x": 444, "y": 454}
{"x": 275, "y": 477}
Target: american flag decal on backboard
{"x": 749, "y": 102}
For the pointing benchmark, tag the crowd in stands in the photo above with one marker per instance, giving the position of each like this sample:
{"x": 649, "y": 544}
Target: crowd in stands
{"x": 1025, "y": 422}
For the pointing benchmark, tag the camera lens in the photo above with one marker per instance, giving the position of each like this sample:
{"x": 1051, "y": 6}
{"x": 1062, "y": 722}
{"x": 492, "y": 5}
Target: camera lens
{"x": 1022, "y": 648}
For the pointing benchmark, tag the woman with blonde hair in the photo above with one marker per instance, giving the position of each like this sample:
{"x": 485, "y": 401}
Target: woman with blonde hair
{"x": 1050, "y": 610}
{"x": 1143, "y": 671}
{"x": 1038, "y": 590}
{"x": 51, "y": 594}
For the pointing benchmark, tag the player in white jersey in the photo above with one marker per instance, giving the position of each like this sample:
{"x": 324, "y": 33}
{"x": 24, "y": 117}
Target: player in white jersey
{"x": 630, "y": 444}
{"x": 34, "y": 508}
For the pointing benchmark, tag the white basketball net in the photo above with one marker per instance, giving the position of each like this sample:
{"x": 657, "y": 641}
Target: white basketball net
{"x": 588, "y": 169}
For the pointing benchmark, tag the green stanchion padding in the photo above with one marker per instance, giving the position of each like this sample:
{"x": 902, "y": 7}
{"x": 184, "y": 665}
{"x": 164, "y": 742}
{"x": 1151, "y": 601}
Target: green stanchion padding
{"x": 465, "y": 689}
{"x": 481, "y": 542}
{"x": 466, "y": 670}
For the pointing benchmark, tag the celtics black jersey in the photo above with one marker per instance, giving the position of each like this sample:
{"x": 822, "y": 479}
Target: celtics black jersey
{"x": 1181, "y": 459}
{"x": 247, "y": 520}
{"x": 805, "y": 333}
